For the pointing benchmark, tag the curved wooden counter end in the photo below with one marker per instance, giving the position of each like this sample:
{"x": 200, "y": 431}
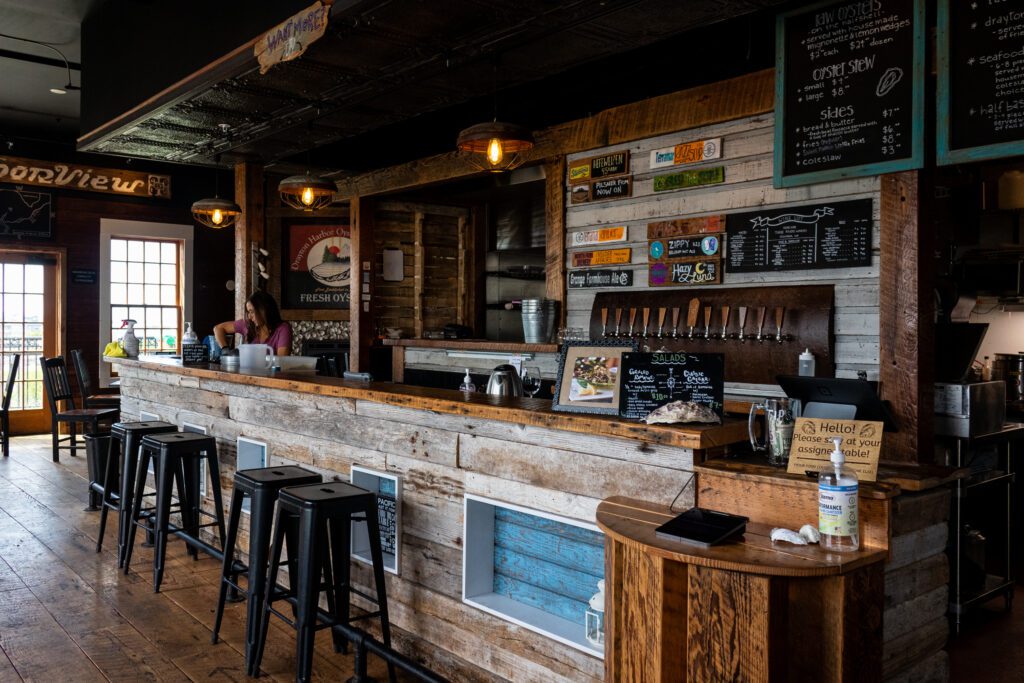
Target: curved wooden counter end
{"x": 741, "y": 611}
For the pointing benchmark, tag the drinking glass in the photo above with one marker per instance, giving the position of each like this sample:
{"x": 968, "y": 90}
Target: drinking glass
{"x": 531, "y": 380}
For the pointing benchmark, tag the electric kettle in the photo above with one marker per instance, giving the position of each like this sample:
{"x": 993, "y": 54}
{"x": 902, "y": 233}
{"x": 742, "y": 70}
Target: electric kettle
{"x": 504, "y": 381}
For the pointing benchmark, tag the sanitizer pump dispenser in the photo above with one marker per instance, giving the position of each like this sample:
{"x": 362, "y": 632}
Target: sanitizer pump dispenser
{"x": 837, "y": 505}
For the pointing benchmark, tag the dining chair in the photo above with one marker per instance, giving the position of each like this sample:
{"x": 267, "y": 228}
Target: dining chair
{"x": 58, "y": 390}
{"x": 5, "y": 420}
{"x": 103, "y": 398}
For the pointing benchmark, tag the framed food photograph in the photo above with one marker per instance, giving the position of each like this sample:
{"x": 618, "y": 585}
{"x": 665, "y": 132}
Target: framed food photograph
{"x": 588, "y": 377}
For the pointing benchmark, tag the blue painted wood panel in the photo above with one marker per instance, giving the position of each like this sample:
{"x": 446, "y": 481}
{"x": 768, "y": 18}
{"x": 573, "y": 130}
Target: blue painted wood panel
{"x": 547, "y": 564}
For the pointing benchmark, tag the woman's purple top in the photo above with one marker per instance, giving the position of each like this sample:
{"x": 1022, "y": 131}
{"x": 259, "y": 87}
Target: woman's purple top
{"x": 280, "y": 337}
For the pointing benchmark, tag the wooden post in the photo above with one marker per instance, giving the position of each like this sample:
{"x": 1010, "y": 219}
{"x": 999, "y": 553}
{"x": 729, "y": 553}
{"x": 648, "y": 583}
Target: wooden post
{"x": 554, "y": 219}
{"x": 249, "y": 228}
{"x": 906, "y": 327}
{"x": 360, "y": 318}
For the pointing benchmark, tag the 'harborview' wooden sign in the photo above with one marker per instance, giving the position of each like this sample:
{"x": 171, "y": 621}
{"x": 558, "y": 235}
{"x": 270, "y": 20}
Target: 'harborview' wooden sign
{"x": 20, "y": 171}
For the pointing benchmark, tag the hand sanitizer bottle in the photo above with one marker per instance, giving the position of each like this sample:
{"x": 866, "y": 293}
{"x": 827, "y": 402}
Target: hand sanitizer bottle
{"x": 467, "y": 383}
{"x": 837, "y": 505}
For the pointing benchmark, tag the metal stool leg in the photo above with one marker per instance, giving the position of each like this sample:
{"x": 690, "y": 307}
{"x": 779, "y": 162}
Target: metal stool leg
{"x": 229, "y": 557}
{"x": 164, "y": 481}
{"x": 373, "y": 531}
{"x": 271, "y": 584}
{"x": 141, "y": 470}
{"x": 312, "y": 533}
{"x": 106, "y": 503}
{"x": 259, "y": 529}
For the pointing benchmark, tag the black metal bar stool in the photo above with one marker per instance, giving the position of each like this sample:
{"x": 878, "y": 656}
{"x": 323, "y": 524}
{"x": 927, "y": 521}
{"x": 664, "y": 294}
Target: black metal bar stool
{"x": 262, "y": 487}
{"x": 118, "y": 484}
{"x": 177, "y": 459}
{"x": 319, "y": 517}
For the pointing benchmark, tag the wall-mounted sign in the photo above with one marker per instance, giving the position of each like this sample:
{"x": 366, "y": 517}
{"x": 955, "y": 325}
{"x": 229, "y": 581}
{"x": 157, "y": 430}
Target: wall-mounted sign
{"x": 85, "y": 178}
{"x": 686, "y": 153}
{"x": 584, "y": 279}
{"x": 605, "y": 257}
{"x": 650, "y": 380}
{"x": 686, "y": 226}
{"x": 699, "y": 272}
{"x": 292, "y": 37}
{"x": 849, "y": 81}
{"x": 594, "y": 168}
{"x": 813, "y": 444}
{"x": 318, "y": 271}
{"x": 834, "y": 235}
{"x": 81, "y": 276}
{"x": 579, "y": 194}
{"x": 685, "y": 179}
{"x": 674, "y": 248}
{"x": 981, "y": 79}
{"x": 612, "y": 188}
{"x": 25, "y": 213}
{"x": 600, "y": 236}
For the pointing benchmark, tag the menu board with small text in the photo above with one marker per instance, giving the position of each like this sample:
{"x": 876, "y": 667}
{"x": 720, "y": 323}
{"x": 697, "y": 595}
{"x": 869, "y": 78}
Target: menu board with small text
{"x": 981, "y": 79}
{"x": 833, "y": 235}
{"x": 849, "y": 90}
{"x": 651, "y": 380}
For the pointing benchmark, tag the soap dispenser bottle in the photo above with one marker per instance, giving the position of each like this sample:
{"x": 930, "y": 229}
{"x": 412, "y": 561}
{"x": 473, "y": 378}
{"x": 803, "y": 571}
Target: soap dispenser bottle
{"x": 467, "y": 383}
{"x": 189, "y": 337}
{"x": 837, "y": 505}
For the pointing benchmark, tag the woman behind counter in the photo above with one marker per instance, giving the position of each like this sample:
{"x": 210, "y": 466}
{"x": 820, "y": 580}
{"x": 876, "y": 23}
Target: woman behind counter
{"x": 262, "y": 325}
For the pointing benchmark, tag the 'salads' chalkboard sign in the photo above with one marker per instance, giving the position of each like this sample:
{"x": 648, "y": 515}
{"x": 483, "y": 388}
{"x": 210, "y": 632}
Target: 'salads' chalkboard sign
{"x": 832, "y": 235}
{"x": 650, "y": 380}
{"x": 981, "y": 79}
{"x": 849, "y": 90}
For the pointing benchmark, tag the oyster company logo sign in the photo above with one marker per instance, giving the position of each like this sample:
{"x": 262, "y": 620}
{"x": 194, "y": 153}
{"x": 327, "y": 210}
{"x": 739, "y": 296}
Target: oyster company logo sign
{"x": 85, "y": 178}
{"x": 319, "y": 268}
{"x": 290, "y": 38}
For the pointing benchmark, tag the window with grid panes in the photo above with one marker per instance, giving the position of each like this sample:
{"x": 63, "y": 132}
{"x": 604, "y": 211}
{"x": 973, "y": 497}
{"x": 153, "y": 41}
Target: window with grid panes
{"x": 145, "y": 286}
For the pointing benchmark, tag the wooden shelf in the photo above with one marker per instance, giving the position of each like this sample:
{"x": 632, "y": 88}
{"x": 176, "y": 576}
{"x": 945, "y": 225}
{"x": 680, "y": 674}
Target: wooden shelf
{"x": 473, "y": 345}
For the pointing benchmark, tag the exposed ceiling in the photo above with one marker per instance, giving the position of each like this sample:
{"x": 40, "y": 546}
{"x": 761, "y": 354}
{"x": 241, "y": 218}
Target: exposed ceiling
{"x": 384, "y": 63}
{"x": 28, "y": 71}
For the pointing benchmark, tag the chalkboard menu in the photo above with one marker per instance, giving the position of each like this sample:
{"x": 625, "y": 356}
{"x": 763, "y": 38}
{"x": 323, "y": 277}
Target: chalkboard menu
{"x": 650, "y": 380}
{"x": 833, "y": 235}
{"x": 849, "y": 90}
{"x": 981, "y": 79}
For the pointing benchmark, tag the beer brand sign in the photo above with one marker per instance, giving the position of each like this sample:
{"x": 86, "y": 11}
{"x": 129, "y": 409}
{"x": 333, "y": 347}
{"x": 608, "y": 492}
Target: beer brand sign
{"x": 84, "y": 178}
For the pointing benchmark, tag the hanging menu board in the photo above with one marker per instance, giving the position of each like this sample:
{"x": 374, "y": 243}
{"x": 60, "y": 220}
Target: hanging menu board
{"x": 650, "y": 380}
{"x": 849, "y": 90}
{"x": 834, "y": 235}
{"x": 981, "y": 79}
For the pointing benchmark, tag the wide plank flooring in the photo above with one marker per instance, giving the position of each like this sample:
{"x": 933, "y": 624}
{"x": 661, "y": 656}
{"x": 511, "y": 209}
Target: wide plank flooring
{"x": 67, "y": 614}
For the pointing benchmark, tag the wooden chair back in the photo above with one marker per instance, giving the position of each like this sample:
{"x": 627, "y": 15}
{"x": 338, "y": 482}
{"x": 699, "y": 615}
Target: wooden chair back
{"x": 82, "y": 372}
{"x": 9, "y": 388}
{"x": 58, "y": 387}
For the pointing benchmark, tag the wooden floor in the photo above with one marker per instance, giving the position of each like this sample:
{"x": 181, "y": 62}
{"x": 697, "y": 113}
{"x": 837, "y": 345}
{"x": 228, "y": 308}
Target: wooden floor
{"x": 68, "y": 614}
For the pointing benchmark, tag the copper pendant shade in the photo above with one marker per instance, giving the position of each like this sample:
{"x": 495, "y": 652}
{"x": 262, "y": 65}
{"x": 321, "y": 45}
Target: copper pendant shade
{"x": 495, "y": 146}
{"x": 306, "y": 192}
{"x": 216, "y": 212}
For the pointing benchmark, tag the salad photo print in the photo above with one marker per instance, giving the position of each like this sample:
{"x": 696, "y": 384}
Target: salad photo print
{"x": 589, "y": 377}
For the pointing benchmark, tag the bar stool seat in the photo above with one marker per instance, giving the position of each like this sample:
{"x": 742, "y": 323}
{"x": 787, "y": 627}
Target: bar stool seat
{"x": 261, "y": 486}
{"x": 118, "y": 484}
{"x": 319, "y": 517}
{"x": 177, "y": 458}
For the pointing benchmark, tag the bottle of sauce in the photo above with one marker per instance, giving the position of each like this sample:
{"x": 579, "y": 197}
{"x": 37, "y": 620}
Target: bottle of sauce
{"x": 837, "y": 505}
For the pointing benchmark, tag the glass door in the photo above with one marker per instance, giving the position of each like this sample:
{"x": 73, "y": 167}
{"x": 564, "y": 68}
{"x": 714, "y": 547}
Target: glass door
{"x": 28, "y": 326}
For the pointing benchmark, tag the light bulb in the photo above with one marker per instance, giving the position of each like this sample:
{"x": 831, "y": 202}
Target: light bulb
{"x": 307, "y": 196}
{"x": 217, "y": 217}
{"x": 494, "y": 152}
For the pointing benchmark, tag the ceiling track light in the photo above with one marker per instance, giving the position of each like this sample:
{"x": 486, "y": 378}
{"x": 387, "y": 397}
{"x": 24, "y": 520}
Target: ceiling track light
{"x": 67, "y": 86}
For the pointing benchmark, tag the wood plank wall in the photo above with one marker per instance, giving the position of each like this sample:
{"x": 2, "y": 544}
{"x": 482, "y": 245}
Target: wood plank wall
{"x": 747, "y": 146}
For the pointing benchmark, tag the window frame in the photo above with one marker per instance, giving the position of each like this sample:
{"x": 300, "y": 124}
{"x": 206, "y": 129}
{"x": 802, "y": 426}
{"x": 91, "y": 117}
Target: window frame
{"x": 111, "y": 228}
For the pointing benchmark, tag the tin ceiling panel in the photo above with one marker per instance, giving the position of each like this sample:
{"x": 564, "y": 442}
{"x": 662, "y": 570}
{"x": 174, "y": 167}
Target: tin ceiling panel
{"x": 381, "y": 63}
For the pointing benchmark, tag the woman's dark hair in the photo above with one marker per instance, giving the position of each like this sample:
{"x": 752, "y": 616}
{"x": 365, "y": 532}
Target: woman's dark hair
{"x": 267, "y": 309}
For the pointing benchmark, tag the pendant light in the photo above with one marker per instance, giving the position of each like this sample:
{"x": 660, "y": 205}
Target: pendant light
{"x": 306, "y": 192}
{"x": 215, "y": 212}
{"x": 495, "y": 146}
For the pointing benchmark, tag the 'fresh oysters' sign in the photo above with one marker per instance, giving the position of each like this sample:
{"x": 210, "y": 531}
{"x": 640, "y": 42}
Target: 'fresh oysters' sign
{"x": 84, "y": 178}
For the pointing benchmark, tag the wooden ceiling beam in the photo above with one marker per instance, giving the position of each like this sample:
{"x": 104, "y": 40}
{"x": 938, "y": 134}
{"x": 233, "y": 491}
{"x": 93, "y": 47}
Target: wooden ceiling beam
{"x": 746, "y": 95}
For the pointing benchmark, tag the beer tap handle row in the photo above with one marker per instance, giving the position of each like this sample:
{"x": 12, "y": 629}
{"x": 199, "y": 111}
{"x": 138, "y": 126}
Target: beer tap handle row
{"x": 693, "y": 330}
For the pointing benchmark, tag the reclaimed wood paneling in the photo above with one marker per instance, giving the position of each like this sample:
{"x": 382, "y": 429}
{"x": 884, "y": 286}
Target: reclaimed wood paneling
{"x": 248, "y": 228}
